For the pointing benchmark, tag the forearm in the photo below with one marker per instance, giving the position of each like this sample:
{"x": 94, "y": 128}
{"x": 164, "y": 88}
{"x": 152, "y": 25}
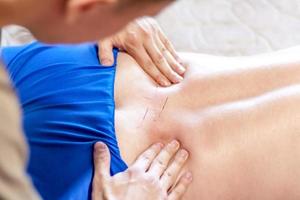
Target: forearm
{"x": 14, "y": 183}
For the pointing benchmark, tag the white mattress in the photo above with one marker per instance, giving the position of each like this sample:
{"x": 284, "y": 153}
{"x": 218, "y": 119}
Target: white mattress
{"x": 233, "y": 27}
{"x": 221, "y": 27}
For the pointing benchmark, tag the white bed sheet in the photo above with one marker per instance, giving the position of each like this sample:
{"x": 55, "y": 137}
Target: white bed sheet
{"x": 233, "y": 27}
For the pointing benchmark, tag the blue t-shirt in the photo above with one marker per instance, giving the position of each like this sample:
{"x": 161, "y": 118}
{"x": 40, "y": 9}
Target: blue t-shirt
{"x": 67, "y": 99}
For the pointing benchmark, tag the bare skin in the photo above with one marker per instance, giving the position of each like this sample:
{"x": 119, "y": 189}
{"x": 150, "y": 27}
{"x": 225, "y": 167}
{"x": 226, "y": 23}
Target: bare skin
{"x": 238, "y": 118}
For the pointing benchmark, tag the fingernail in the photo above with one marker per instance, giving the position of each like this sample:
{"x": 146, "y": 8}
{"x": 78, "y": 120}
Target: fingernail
{"x": 184, "y": 64}
{"x": 165, "y": 83}
{"x": 174, "y": 144}
{"x": 100, "y": 146}
{"x": 158, "y": 145}
{"x": 182, "y": 70}
{"x": 178, "y": 79}
{"x": 183, "y": 153}
{"x": 106, "y": 62}
{"x": 189, "y": 176}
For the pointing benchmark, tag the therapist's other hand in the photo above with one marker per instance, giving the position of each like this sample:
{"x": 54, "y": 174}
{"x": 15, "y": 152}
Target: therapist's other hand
{"x": 144, "y": 40}
{"x": 153, "y": 176}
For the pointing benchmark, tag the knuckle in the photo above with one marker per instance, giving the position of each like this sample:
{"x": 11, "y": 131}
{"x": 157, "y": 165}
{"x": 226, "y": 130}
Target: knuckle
{"x": 147, "y": 35}
{"x": 161, "y": 163}
{"x": 160, "y": 60}
{"x": 134, "y": 171}
{"x": 130, "y": 172}
{"x": 164, "y": 50}
{"x": 160, "y": 57}
{"x": 146, "y": 32}
{"x": 150, "y": 180}
{"x": 168, "y": 44}
{"x": 132, "y": 38}
{"x": 147, "y": 157}
{"x": 148, "y": 65}
{"x": 169, "y": 174}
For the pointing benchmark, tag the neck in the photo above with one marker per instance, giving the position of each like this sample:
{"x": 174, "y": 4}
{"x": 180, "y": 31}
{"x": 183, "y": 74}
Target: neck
{"x": 7, "y": 12}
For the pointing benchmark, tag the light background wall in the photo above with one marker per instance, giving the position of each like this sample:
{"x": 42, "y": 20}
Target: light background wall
{"x": 233, "y": 27}
{"x": 220, "y": 27}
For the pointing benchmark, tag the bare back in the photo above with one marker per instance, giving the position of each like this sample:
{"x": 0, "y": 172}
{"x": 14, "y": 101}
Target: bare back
{"x": 238, "y": 117}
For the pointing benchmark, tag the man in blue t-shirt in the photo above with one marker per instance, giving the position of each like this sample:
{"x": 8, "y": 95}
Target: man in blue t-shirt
{"x": 80, "y": 20}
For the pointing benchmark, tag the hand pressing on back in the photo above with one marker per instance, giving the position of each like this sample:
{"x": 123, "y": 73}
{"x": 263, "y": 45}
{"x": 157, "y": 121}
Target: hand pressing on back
{"x": 144, "y": 40}
{"x": 155, "y": 175}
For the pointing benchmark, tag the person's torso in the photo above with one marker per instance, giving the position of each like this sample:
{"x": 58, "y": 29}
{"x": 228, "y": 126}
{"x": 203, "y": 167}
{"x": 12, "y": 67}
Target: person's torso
{"x": 68, "y": 104}
{"x": 212, "y": 113}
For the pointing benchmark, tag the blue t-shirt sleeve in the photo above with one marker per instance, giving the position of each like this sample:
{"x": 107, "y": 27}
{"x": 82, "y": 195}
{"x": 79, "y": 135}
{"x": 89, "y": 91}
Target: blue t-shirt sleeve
{"x": 9, "y": 53}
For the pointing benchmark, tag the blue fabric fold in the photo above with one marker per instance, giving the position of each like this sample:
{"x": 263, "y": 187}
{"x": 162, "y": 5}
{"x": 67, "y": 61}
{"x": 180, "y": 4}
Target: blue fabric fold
{"x": 67, "y": 100}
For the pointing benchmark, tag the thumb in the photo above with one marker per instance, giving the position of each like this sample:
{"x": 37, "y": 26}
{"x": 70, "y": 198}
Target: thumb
{"x": 101, "y": 162}
{"x": 106, "y": 53}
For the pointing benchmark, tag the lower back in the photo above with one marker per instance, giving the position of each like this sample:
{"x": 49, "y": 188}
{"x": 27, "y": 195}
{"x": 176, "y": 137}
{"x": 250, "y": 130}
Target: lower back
{"x": 212, "y": 123}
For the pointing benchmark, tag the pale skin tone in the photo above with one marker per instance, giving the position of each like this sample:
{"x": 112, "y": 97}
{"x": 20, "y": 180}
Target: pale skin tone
{"x": 150, "y": 177}
{"x": 227, "y": 165}
{"x": 145, "y": 40}
{"x": 82, "y": 20}
{"x": 238, "y": 118}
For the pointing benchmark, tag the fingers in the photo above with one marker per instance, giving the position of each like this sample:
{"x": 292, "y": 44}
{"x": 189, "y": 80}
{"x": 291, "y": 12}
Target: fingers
{"x": 146, "y": 43}
{"x": 179, "y": 190}
{"x": 160, "y": 163}
{"x": 106, "y": 55}
{"x": 158, "y": 53}
{"x": 101, "y": 162}
{"x": 151, "y": 50}
{"x": 168, "y": 45}
{"x": 163, "y": 54}
{"x": 143, "y": 162}
{"x": 170, "y": 175}
{"x": 164, "y": 43}
{"x": 175, "y": 65}
{"x": 148, "y": 66}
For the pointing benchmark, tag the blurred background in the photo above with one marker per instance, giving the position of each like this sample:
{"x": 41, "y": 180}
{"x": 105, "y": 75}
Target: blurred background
{"x": 220, "y": 27}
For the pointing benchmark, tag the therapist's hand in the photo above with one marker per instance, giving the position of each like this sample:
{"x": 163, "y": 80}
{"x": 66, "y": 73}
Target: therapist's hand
{"x": 152, "y": 177}
{"x": 144, "y": 40}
